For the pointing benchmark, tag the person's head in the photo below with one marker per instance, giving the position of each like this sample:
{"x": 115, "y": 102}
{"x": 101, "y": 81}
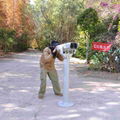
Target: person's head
{"x": 53, "y": 44}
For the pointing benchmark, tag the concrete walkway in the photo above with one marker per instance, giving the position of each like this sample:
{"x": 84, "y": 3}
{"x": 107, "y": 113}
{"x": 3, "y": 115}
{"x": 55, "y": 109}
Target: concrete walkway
{"x": 96, "y": 96}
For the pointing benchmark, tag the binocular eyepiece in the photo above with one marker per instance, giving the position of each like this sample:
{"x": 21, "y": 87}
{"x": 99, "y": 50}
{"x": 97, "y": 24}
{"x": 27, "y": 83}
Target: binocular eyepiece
{"x": 73, "y": 45}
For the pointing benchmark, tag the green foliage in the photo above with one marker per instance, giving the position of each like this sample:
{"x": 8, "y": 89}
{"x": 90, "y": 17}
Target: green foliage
{"x": 99, "y": 29}
{"x": 88, "y": 20}
{"x": 56, "y": 19}
{"x": 81, "y": 52}
{"x": 89, "y": 24}
{"x": 109, "y": 61}
{"x": 98, "y": 57}
{"x": 7, "y": 39}
{"x": 21, "y": 43}
{"x": 102, "y": 33}
{"x": 119, "y": 26}
{"x": 105, "y": 61}
{"x": 80, "y": 39}
{"x": 42, "y": 43}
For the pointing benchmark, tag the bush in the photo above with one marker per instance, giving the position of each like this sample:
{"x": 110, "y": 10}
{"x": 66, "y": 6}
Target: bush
{"x": 42, "y": 42}
{"x": 21, "y": 43}
{"x": 109, "y": 61}
{"x": 7, "y": 39}
{"x": 88, "y": 20}
{"x": 81, "y": 50}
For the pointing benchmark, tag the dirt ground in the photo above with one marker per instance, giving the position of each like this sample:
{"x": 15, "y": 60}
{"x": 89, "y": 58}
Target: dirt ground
{"x": 96, "y": 95}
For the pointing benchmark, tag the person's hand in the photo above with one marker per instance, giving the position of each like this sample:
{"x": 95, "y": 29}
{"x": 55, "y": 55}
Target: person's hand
{"x": 54, "y": 52}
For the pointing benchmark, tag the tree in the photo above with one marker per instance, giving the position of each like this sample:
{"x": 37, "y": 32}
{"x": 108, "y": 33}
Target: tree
{"x": 15, "y": 15}
{"x": 56, "y": 19}
{"x": 88, "y": 21}
{"x": 2, "y": 14}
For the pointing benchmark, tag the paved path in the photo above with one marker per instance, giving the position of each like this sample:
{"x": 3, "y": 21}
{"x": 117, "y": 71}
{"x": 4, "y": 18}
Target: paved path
{"x": 96, "y": 96}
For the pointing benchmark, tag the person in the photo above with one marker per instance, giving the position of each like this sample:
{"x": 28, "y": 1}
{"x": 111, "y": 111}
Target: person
{"x": 47, "y": 67}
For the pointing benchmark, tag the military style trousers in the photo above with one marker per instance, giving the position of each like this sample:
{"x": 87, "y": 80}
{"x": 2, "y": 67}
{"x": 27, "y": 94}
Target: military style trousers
{"x": 52, "y": 74}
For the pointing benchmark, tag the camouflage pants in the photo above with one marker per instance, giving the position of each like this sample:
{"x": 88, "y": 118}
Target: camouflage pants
{"x": 52, "y": 74}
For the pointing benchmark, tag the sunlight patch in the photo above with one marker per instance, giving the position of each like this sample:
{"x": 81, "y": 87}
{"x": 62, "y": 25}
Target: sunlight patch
{"x": 113, "y": 103}
{"x": 64, "y": 116}
{"x": 95, "y": 118}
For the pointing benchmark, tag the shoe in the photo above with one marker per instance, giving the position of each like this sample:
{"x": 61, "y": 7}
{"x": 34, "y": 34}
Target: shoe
{"x": 59, "y": 94}
{"x": 40, "y": 96}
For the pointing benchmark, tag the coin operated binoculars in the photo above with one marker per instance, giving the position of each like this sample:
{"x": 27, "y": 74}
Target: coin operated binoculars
{"x": 67, "y": 50}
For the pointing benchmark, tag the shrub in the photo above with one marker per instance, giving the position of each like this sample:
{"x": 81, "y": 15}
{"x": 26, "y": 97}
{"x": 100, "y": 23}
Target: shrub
{"x": 21, "y": 43}
{"x": 107, "y": 61}
{"x": 88, "y": 21}
{"x": 7, "y": 39}
{"x": 43, "y": 43}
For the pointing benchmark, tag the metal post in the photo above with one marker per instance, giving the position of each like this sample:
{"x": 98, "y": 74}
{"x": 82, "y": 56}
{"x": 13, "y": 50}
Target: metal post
{"x": 66, "y": 102}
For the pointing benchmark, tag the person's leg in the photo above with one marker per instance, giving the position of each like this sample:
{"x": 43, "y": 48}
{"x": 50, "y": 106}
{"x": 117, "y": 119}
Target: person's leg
{"x": 42, "y": 90}
{"x": 55, "y": 82}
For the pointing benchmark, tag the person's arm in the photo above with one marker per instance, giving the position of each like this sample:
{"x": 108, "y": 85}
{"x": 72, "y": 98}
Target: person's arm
{"x": 59, "y": 56}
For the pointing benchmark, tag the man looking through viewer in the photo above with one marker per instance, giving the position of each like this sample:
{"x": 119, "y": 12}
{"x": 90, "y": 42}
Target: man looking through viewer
{"x": 47, "y": 66}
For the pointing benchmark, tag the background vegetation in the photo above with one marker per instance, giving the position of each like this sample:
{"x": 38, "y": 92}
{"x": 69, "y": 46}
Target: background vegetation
{"x": 16, "y": 25}
{"x": 24, "y": 25}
